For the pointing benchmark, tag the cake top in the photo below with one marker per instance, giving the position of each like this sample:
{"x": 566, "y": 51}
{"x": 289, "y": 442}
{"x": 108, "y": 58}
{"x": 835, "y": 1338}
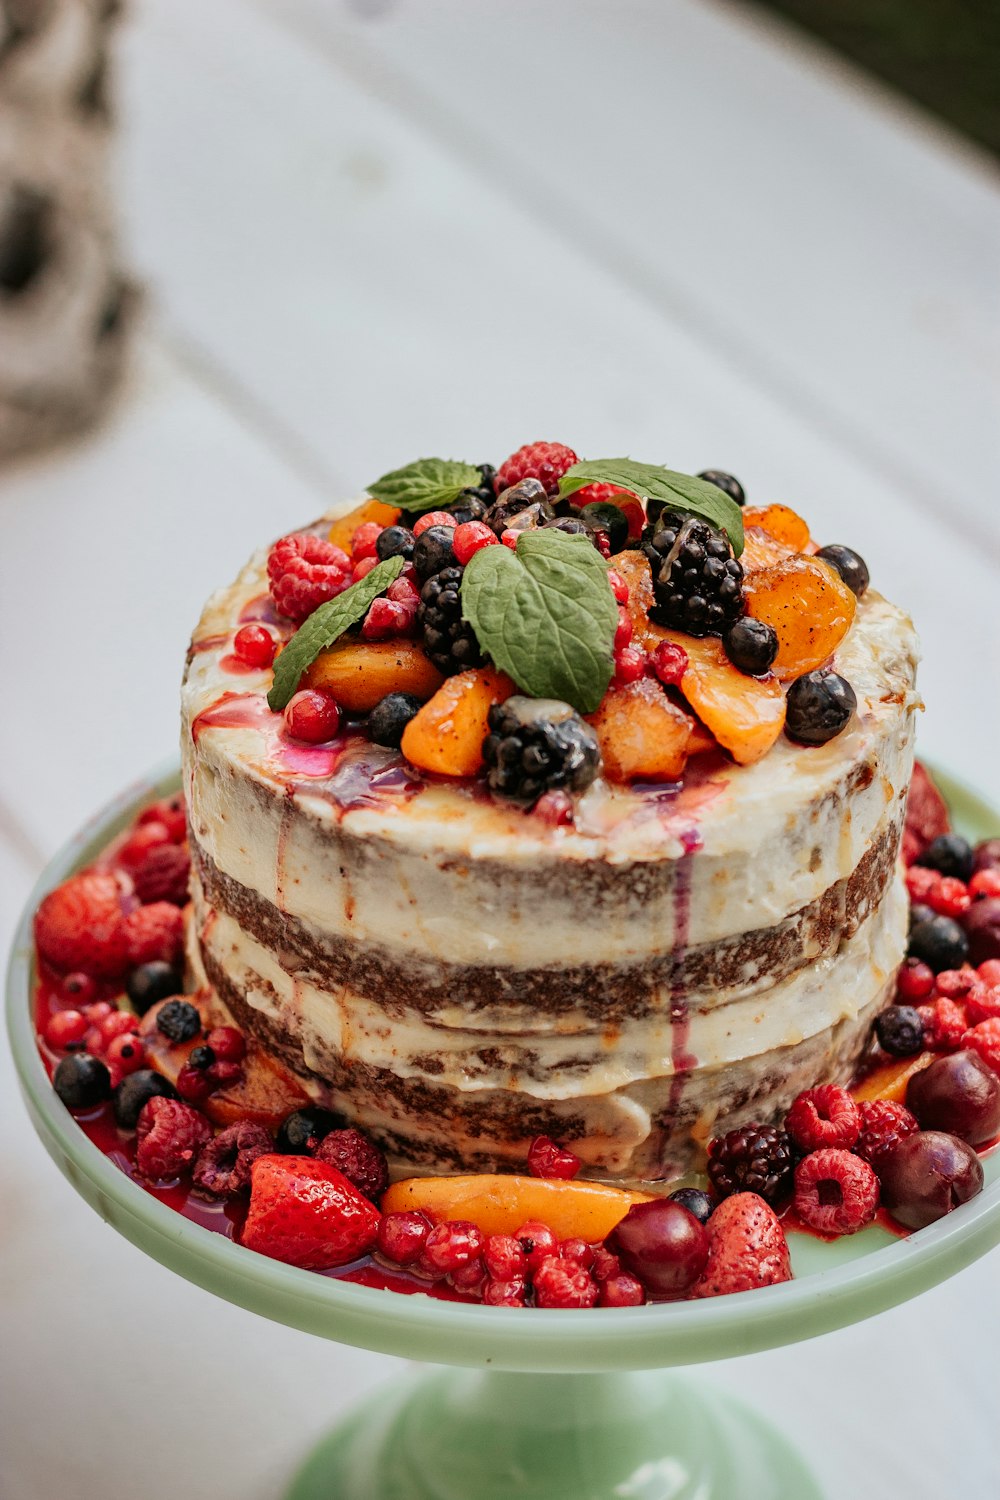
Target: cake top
{"x": 598, "y": 652}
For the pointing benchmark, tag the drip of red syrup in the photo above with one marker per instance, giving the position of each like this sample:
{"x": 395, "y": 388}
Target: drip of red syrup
{"x": 283, "y": 755}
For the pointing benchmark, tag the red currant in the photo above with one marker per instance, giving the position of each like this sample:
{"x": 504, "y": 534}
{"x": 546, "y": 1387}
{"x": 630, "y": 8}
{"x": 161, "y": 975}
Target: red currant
{"x": 622, "y": 1290}
{"x": 624, "y": 632}
{"x": 630, "y": 664}
{"x": 504, "y": 1257}
{"x": 402, "y": 1236}
{"x": 126, "y": 1053}
{"x": 537, "y": 1241}
{"x": 547, "y": 1159}
{"x": 119, "y": 1023}
{"x": 254, "y": 645}
{"x": 65, "y": 1027}
{"x": 228, "y": 1044}
{"x": 985, "y": 883}
{"x": 452, "y": 1245}
{"x": 915, "y": 980}
{"x": 194, "y": 1084}
{"x": 471, "y": 537}
{"x": 312, "y": 716}
{"x": 79, "y": 988}
{"x": 670, "y": 662}
{"x": 618, "y": 586}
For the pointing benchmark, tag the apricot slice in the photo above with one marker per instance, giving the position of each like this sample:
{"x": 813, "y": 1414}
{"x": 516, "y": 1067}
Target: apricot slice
{"x": 360, "y": 673}
{"x": 641, "y": 733}
{"x": 780, "y": 522}
{"x": 889, "y": 1079}
{"x": 762, "y": 550}
{"x": 447, "y": 734}
{"x": 634, "y": 568}
{"x": 745, "y": 714}
{"x": 500, "y": 1204}
{"x": 809, "y": 606}
{"x": 344, "y": 527}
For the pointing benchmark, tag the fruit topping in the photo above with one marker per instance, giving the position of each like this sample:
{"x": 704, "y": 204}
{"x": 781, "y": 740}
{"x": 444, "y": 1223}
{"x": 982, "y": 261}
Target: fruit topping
{"x": 545, "y": 462}
{"x": 303, "y": 1129}
{"x": 695, "y": 1201}
{"x": 360, "y": 1161}
{"x": 178, "y": 1020}
{"x": 823, "y": 1117}
{"x": 986, "y": 856}
{"x": 561, "y": 1283}
{"x": 395, "y": 541}
{"x": 358, "y": 674}
{"x": 949, "y": 854}
{"x": 163, "y": 875}
{"x": 538, "y": 744}
{"x": 622, "y": 1290}
{"x": 669, "y": 662}
{"x": 451, "y": 1246}
{"x": 154, "y": 934}
{"x": 696, "y": 580}
{"x": 136, "y": 1090}
{"x": 547, "y": 1159}
{"x": 640, "y": 732}
{"x": 446, "y": 735}
{"x": 726, "y": 482}
{"x": 958, "y": 1094}
{"x": 312, "y": 716}
{"x": 80, "y": 926}
{"x": 222, "y": 1169}
{"x": 852, "y": 568}
{"x": 254, "y": 645}
{"x": 926, "y": 814}
{"x": 780, "y": 522}
{"x": 502, "y": 1204}
{"x": 663, "y": 1244}
{"x": 751, "y": 1158}
{"x": 820, "y": 706}
{"x": 884, "y": 1123}
{"x": 808, "y": 605}
{"x": 470, "y": 538}
{"x": 982, "y": 929}
{"x": 344, "y": 527}
{"x": 448, "y": 638}
{"x": 152, "y": 982}
{"x": 125, "y": 1054}
{"x": 81, "y": 1081}
{"x": 434, "y": 550}
{"x": 745, "y": 714}
{"x": 751, "y": 645}
{"x": 307, "y": 1214}
{"x": 940, "y": 943}
{"x": 835, "y": 1192}
{"x": 746, "y": 1248}
{"x": 304, "y": 572}
{"x": 169, "y": 1136}
{"x": 984, "y": 1039}
{"x": 927, "y": 1175}
{"x": 66, "y": 1028}
{"x": 402, "y": 1236}
{"x": 900, "y": 1031}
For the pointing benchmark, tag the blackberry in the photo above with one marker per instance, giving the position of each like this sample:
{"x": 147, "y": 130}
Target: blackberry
{"x": 697, "y": 581}
{"x": 752, "y": 1159}
{"x": 852, "y": 568}
{"x": 473, "y": 503}
{"x": 727, "y": 482}
{"x": 448, "y": 639}
{"x": 536, "y": 745}
{"x": 949, "y": 854}
{"x": 819, "y": 706}
{"x": 179, "y": 1021}
{"x": 751, "y": 645}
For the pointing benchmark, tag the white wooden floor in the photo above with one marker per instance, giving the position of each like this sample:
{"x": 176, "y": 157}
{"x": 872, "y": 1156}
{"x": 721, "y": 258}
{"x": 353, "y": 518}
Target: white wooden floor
{"x": 379, "y": 229}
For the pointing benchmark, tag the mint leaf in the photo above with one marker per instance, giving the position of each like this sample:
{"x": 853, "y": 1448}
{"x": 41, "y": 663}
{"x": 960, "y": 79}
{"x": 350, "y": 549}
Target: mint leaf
{"x": 546, "y": 615}
{"x": 428, "y": 484}
{"x": 323, "y": 627}
{"x": 651, "y": 482}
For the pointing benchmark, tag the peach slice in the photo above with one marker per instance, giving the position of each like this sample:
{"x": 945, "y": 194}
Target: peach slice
{"x": 889, "y": 1079}
{"x": 641, "y": 732}
{"x": 447, "y": 734}
{"x": 780, "y": 522}
{"x": 762, "y": 550}
{"x": 344, "y": 527}
{"x": 745, "y": 714}
{"x": 809, "y": 606}
{"x": 634, "y": 568}
{"x": 360, "y": 673}
{"x": 500, "y": 1204}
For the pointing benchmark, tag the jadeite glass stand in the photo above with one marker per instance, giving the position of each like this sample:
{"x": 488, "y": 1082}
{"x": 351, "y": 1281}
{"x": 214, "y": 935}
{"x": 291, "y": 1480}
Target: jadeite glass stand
{"x": 550, "y": 1405}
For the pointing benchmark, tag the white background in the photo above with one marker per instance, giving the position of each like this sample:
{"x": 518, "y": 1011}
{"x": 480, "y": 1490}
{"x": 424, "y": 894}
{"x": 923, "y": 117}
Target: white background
{"x": 379, "y": 230}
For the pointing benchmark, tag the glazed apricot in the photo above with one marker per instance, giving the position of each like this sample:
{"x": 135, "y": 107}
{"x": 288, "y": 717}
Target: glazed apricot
{"x": 808, "y": 605}
{"x": 447, "y": 734}
{"x": 344, "y": 527}
{"x": 780, "y": 522}
{"x": 641, "y": 732}
{"x": 634, "y": 568}
{"x": 762, "y": 550}
{"x": 499, "y": 1204}
{"x": 889, "y": 1079}
{"x": 745, "y": 714}
{"x": 360, "y": 673}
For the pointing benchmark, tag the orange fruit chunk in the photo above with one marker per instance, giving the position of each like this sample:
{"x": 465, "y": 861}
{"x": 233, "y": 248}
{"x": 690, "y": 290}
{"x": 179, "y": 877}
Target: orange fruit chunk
{"x": 780, "y": 522}
{"x": 761, "y": 550}
{"x": 499, "y": 1204}
{"x": 809, "y": 606}
{"x": 641, "y": 733}
{"x": 360, "y": 673}
{"x": 344, "y": 527}
{"x": 889, "y": 1079}
{"x": 635, "y": 569}
{"x": 447, "y": 734}
{"x": 745, "y": 714}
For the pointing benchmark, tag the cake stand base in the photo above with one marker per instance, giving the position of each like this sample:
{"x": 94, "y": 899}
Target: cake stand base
{"x": 464, "y": 1435}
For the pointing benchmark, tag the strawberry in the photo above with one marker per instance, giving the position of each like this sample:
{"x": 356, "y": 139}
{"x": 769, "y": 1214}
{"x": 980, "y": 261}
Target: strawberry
{"x": 926, "y": 814}
{"x": 80, "y": 925}
{"x": 746, "y": 1248}
{"x": 306, "y": 1213}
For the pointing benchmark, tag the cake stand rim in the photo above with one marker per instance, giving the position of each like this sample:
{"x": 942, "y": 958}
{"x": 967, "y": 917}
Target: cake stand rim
{"x": 651, "y": 1337}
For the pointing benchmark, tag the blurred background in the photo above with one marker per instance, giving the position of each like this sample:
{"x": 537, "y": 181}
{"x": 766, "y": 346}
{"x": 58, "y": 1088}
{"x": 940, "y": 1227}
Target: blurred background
{"x": 255, "y": 252}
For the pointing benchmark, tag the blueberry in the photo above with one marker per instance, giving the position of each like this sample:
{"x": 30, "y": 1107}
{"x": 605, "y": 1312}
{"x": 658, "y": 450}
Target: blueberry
{"x": 152, "y": 982}
{"x": 201, "y": 1057}
{"x": 820, "y": 705}
{"x": 608, "y": 518}
{"x": 81, "y": 1081}
{"x": 949, "y": 854}
{"x": 940, "y": 943}
{"x": 395, "y": 541}
{"x": 751, "y": 645}
{"x": 179, "y": 1021}
{"x": 724, "y": 481}
{"x": 696, "y": 1202}
{"x": 301, "y": 1131}
{"x": 852, "y": 568}
{"x": 920, "y": 913}
{"x": 433, "y": 551}
{"x": 900, "y": 1031}
{"x": 390, "y": 717}
{"x": 133, "y": 1092}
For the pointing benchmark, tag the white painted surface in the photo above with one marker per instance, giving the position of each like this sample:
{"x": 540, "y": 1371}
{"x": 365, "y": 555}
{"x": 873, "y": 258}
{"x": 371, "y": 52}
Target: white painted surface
{"x": 654, "y": 228}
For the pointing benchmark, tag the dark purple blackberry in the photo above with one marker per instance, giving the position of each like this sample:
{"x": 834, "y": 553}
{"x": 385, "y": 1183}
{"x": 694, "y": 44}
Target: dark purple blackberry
{"x": 697, "y": 581}
{"x": 536, "y": 745}
{"x": 448, "y": 639}
{"x": 752, "y": 1159}
{"x": 727, "y": 482}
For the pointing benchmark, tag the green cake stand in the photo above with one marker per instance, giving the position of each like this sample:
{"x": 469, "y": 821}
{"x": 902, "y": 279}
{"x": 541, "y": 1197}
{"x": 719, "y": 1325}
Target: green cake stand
{"x": 545, "y": 1405}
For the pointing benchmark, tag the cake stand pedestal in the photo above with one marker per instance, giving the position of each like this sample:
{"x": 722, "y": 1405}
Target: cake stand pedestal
{"x": 554, "y": 1405}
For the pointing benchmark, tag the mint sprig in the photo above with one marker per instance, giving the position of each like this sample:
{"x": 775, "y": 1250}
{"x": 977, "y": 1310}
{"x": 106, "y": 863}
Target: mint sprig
{"x": 651, "y": 482}
{"x": 324, "y": 626}
{"x": 427, "y": 484}
{"x": 546, "y": 615}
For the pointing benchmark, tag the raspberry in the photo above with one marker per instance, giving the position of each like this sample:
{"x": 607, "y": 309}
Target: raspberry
{"x": 80, "y": 925}
{"x": 920, "y": 882}
{"x": 364, "y": 541}
{"x": 65, "y": 1028}
{"x": 451, "y": 1245}
{"x": 984, "y": 1038}
{"x": 402, "y": 1236}
{"x": 140, "y": 841}
{"x": 751, "y": 1159}
{"x": 630, "y": 664}
{"x": 434, "y": 518}
{"x": 357, "y": 1159}
{"x": 884, "y": 1123}
{"x": 125, "y": 1054}
{"x": 944, "y": 1024}
{"x": 982, "y": 1003}
{"x": 826, "y": 1116}
{"x": 387, "y": 618}
{"x": 546, "y": 462}
{"x": 915, "y": 980}
{"x": 154, "y": 934}
{"x": 623, "y": 1290}
{"x": 504, "y": 1257}
{"x": 985, "y": 883}
{"x": 670, "y": 662}
{"x": 536, "y": 1240}
{"x": 163, "y": 875}
{"x": 949, "y": 897}
{"x": 304, "y": 572}
{"x": 955, "y": 984}
{"x": 312, "y": 717}
{"x": 835, "y": 1192}
{"x": 560, "y": 1282}
{"x": 505, "y": 1293}
{"x": 169, "y": 1135}
{"x": 228, "y": 1044}
{"x": 546, "y": 1159}
{"x": 254, "y": 645}
{"x": 362, "y": 568}
{"x": 605, "y": 1264}
{"x": 223, "y": 1166}
{"x": 170, "y": 811}
{"x": 988, "y": 971}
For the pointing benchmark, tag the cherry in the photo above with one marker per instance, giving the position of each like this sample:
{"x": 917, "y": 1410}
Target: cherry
{"x": 663, "y": 1244}
{"x": 958, "y": 1094}
{"x": 982, "y": 928}
{"x": 927, "y": 1175}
